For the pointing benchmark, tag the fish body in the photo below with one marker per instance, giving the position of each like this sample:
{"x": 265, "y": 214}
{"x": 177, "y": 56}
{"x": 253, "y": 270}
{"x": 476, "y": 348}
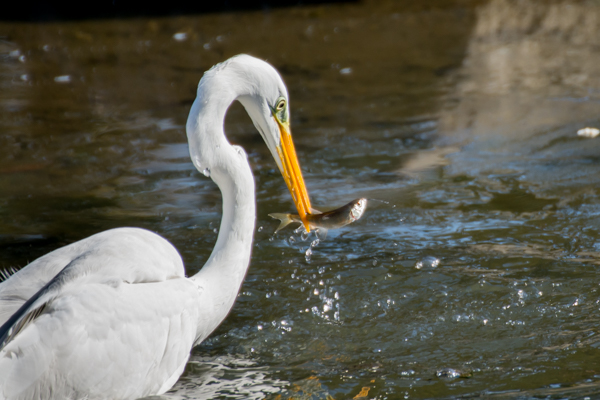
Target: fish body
{"x": 333, "y": 219}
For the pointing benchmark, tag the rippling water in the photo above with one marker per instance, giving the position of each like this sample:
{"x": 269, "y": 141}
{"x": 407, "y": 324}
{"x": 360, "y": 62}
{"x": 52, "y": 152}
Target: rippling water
{"x": 474, "y": 276}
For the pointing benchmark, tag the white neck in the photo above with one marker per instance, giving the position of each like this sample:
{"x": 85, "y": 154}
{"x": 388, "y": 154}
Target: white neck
{"x": 221, "y": 277}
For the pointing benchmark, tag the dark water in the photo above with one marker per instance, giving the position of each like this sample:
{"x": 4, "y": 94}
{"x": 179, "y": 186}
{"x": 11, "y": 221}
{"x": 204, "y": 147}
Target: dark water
{"x": 479, "y": 279}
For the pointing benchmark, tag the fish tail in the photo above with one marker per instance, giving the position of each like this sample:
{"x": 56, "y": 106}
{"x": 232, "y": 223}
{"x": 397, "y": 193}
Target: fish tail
{"x": 285, "y": 219}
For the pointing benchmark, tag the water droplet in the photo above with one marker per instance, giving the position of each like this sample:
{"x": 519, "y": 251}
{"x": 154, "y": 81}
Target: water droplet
{"x": 260, "y": 228}
{"x": 308, "y": 253}
{"x": 206, "y": 172}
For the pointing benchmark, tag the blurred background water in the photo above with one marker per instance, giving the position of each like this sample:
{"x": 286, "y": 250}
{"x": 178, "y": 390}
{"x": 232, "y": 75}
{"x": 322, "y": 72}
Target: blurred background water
{"x": 478, "y": 279}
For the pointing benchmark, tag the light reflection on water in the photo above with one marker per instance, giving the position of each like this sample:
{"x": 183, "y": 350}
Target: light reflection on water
{"x": 463, "y": 118}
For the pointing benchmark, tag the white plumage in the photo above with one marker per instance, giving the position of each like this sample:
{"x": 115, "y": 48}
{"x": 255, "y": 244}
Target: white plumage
{"x": 113, "y": 316}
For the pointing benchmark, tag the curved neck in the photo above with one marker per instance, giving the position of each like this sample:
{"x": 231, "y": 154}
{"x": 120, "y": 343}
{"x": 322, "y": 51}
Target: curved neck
{"x": 221, "y": 277}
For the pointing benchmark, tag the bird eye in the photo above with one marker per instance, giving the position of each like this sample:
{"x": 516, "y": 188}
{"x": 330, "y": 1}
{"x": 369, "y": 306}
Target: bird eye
{"x": 280, "y": 111}
{"x": 280, "y": 105}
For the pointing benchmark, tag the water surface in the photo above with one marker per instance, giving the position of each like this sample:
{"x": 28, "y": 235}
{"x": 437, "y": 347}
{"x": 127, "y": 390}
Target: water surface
{"x": 478, "y": 279}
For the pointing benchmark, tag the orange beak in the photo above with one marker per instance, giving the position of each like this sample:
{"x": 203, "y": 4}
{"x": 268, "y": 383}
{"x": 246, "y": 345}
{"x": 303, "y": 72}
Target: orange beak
{"x": 292, "y": 174}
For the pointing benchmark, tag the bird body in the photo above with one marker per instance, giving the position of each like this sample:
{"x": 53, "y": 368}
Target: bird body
{"x": 118, "y": 299}
{"x": 113, "y": 316}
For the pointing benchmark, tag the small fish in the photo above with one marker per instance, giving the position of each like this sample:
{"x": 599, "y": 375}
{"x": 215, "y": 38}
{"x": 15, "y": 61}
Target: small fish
{"x": 328, "y": 220}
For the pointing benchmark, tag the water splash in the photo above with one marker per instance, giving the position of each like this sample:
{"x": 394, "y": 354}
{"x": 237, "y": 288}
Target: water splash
{"x": 307, "y": 254}
{"x": 451, "y": 373}
{"x": 309, "y": 251}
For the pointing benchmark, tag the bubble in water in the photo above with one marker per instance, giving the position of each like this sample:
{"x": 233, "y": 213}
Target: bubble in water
{"x": 180, "y": 36}
{"x": 428, "y": 262}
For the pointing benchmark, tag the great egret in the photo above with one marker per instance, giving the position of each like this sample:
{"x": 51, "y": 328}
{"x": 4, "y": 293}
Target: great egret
{"x": 113, "y": 316}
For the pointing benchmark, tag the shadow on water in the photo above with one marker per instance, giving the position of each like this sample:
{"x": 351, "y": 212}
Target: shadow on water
{"x": 478, "y": 279}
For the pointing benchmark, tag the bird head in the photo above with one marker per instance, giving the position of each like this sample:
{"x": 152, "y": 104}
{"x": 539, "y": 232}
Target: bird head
{"x": 263, "y": 94}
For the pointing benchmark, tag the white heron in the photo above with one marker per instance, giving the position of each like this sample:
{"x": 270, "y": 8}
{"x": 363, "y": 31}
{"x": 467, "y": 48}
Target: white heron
{"x": 113, "y": 316}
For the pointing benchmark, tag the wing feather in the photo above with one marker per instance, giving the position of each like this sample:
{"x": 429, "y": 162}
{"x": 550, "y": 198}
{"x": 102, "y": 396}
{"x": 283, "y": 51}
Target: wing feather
{"x": 111, "y": 316}
{"x": 126, "y": 254}
{"x": 7, "y": 273}
{"x": 111, "y": 340}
